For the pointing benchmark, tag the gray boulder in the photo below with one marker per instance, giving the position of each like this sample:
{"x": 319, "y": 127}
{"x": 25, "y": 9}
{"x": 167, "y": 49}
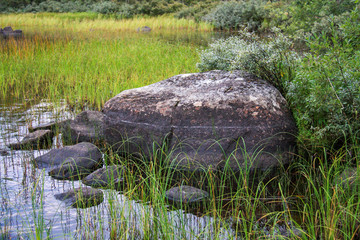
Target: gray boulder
{"x": 36, "y": 140}
{"x": 82, "y": 197}
{"x": 212, "y": 119}
{"x": 8, "y": 32}
{"x": 107, "y": 177}
{"x": 186, "y": 195}
{"x": 71, "y": 162}
{"x": 86, "y": 127}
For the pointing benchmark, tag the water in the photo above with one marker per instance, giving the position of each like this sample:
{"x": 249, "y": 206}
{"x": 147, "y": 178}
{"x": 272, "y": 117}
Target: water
{"x": 28, "y": 207}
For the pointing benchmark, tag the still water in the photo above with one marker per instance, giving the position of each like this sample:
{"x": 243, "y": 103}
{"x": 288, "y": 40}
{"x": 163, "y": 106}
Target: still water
{"x": 28, "y": 208}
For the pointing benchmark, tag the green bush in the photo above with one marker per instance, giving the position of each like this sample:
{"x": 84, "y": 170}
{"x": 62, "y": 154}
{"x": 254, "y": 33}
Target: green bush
{"x": 270, "y": 59}
{"x": 57, "y": 6}
{"x": 106, "y": 7}
{"x": 236, "y": 15}
{"x": 127, "y": 11}
{"x": 196, "y": 11}
{"x": 304, "y": 13}
{"x": 158, "y": 7}
{"x": 326, "y": 90}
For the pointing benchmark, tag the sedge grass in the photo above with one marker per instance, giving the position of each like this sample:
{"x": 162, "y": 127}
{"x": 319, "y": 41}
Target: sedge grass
{"x": 82, "y": 22}
{"x": 67, "y": 61}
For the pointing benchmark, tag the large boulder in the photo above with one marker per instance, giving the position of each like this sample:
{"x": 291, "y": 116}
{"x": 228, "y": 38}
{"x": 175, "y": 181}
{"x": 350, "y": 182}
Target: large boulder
{"x": 212, "y": 119}
{"x": 71, "y": 162}
{"x": 86, "y": 127}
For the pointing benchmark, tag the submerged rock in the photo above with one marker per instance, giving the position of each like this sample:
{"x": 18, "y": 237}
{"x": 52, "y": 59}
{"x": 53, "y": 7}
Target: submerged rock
{"x": 82, "y": 197}
{"x": 107, "y": 177}
{"x": 186, "y": 195}
{"x": 53, "y": 126}
{"x": 39, "y": 139}
{"x": 3, "y": 152}
{"x": 213, "y": 119}
{"x": 71, "y": 162}
{"x": 86, "y": 127}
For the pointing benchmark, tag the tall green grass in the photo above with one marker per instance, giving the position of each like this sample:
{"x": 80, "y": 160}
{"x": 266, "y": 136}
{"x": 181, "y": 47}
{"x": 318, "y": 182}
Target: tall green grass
{"x": 90, "y": 66}
{"x": 82, "y": 22}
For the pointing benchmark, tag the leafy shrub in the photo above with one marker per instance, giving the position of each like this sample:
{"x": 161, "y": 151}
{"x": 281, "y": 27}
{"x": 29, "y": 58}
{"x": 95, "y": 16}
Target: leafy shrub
{"x": 196, "y": 11}
{"x": 270, "y": 60}
{"x": 158, "y": 7}
{"x": 305, "y": 13}
{"x": 236, "y": 15}
{"x": 106, "y": 7}
{"x": 127, "y": 11}
{"x": 56, "y": 6}
{"x": 326, "y": 89}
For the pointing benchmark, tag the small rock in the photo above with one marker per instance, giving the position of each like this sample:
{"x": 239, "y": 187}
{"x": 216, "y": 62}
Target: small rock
{"x": 144, "y": 29}
{"x": 108, "y": 177}
{"x": 3, "y": 152}
{"x": 49, "y": 126}
{"x": 71, "y": 162}
{"x": 186, "y": 194}
{"x": 36, "y": 140}
{"x": 86, "y": 127}
{"x": 82, "y": 197}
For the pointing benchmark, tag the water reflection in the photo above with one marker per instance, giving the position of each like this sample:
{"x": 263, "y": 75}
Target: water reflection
{"x": 28, "y": 206}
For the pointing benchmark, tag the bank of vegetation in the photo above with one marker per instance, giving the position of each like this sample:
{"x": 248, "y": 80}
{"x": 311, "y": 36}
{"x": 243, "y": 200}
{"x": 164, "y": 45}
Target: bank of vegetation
{"x": 308, "y": 49}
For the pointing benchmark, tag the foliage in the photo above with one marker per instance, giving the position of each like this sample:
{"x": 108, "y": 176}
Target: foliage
{"x": 196, "y": 11}
{"x": 304, "y": 13}
{"x": 105, "y": 7}
{"x": 236, "y": 15}
{"x": 326, "y": 89}
{"x": 271, "y": 60}
{"x": 56, "y": 6}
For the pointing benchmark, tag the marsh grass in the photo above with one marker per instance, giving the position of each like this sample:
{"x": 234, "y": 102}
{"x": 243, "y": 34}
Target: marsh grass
{"x": 84, "y": 22}
{"x": 89, "y": 61}
{"x": 302, "y": 200}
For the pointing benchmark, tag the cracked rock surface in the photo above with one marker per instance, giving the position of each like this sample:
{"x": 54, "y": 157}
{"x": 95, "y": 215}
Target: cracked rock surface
{"x": 207, "y": 119}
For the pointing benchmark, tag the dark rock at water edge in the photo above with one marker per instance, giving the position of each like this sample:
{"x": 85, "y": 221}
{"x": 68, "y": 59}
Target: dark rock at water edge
{"x": 53, "y": 126}
{"x": 86, "y": 127}
{"x": 186, "y": 195}
{"x": 4, "y": 152}
{"x": 8, "y": 32}
{"x": 82, "y": 197}
{"x": 71, "y": 162}
{"x": 212, "y": 119}
{"x": 107, "y": 177}
{"x": 40, "y": 139}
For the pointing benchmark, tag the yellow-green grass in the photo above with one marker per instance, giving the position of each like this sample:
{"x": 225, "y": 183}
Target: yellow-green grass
{"x": 71, "y": 63}
{"x": 82, "y": 22}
